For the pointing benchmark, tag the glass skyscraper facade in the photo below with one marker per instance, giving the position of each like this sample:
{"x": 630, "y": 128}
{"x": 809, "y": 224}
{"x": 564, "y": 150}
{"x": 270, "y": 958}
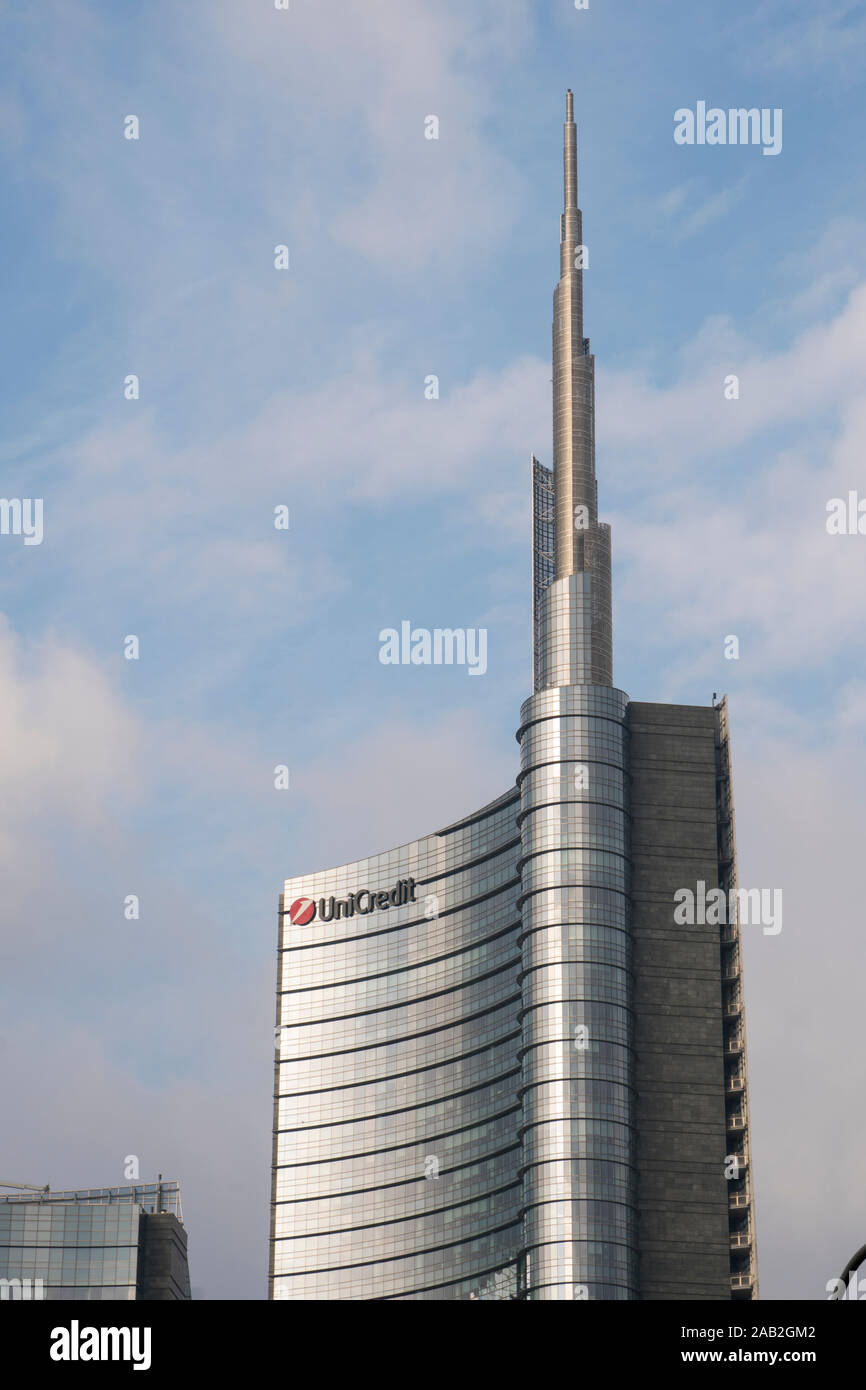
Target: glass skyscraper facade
{"x": 398, "y": 1111}
{"x": 503, "y": 1070}
{"x": 113, "y": 1243}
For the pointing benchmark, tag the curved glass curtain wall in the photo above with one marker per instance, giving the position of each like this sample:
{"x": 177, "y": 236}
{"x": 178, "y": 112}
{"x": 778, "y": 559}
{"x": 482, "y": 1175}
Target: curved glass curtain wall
{"x": 397, "y": 1148}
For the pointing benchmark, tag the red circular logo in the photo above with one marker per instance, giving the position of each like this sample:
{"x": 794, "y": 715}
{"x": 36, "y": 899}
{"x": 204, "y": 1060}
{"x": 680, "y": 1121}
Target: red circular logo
{"x": 302, "y": 911}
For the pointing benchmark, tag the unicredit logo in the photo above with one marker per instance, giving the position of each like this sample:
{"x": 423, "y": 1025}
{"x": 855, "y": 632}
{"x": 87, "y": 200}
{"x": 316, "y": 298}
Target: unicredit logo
{"x": 303, "y": 910}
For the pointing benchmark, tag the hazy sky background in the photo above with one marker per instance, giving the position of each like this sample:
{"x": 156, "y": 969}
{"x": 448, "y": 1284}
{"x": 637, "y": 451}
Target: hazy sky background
{"x": 306, "y": 387}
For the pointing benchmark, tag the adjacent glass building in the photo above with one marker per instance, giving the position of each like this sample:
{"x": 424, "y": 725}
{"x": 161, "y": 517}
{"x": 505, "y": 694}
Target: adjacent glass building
{"x": 109, "y": 1243}
{"x": 503, "y": 1070}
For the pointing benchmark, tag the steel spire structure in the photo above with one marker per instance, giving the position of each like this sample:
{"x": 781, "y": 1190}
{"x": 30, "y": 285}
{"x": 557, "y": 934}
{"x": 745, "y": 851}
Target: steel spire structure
{"x": 574, "y": 636}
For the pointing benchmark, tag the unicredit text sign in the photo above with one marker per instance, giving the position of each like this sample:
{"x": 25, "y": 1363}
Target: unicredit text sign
{"x": 303, "y": 910}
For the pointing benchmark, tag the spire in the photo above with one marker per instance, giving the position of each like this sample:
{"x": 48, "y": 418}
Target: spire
{"x": 569, "y": 233}
{"x": 573, "y": 384}
{"x": 574, "y": 636}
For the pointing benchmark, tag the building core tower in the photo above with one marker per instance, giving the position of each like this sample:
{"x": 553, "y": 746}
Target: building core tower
{"x": 580, "y": 1189}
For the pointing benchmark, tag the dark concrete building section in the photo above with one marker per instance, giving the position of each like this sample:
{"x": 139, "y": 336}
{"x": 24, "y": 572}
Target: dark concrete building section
{"x": 741, "y": 1201}
{"x": 679, "y": 1078}
{"x": 163, "y": 1268}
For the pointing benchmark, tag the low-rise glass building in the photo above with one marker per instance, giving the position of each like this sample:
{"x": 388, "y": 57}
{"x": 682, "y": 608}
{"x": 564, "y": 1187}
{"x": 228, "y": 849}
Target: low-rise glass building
{"x": 104, "y": 1243}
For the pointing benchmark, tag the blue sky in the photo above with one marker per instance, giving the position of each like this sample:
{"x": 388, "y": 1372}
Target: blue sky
{"x": 306, "y": 388}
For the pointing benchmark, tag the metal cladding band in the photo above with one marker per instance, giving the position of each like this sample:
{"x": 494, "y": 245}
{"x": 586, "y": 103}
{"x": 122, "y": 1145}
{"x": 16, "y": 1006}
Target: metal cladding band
{"x": 579, "y": 1178}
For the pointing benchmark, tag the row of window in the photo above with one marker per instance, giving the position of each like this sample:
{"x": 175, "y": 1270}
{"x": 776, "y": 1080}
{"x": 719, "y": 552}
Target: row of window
{"x": 602, "y": 1020}
{"x": 410, "y": 983}
{"x": 560, "y": 701}
{"x": 494, "y": 1067}
{"x": 577, "y": 905}
{"x": 406, "y": 1055}
{"x": 574, "y": 1067}
{"x": 551, "y": 868}
{"x": 427, "y": 1124}
{"x": 570, "y": 741}
{"x": 425, "y": 1194}
{"x": 396, "y": 1237}
{"x": 390, "y": 1024}
{"x": 553, "y": 981}
{"x": 565, "y": 1139}
{"x": 400, "y": 1276}
{"x": 471, "y": 1145}
{"x": 86, "y": 1267}
{"x": 577, "y": 943}
{"x": 574, "y": 779}
{"x": 575, "y": 826}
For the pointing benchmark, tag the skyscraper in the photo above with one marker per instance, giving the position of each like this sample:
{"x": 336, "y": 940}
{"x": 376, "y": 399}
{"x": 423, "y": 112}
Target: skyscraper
{"x": 100, "y": 1243}
{"x": 504, "y": 1069}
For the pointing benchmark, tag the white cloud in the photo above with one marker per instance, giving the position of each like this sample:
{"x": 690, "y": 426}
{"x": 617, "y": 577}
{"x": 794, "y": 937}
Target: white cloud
{"x": 798, "y": 793}
{"x": 753, "y": 555}
{"x": 690, "y": 210}
{"x": 830, "y": 36}
{"x": 822, "y": 369}
{"x": 68, "y": 742}
{"x": 370, "y": 181}
{"x": 851, "y": 705}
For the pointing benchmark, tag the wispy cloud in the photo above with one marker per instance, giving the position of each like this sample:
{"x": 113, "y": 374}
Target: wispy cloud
{"x": 687, "y": 209}
{"x": 791, "y": 38}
